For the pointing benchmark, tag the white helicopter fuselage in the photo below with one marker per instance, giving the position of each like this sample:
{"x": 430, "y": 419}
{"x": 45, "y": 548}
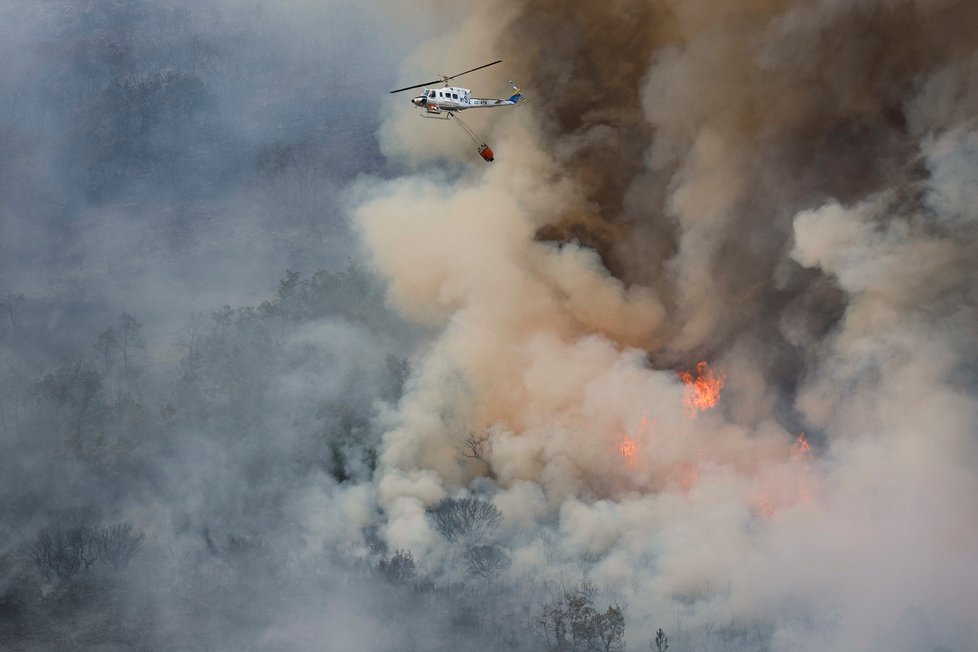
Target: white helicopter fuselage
{"x": 452, "y": 98}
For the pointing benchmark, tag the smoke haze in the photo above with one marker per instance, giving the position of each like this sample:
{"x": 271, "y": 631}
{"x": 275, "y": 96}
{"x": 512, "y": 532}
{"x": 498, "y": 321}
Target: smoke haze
{"x": 288, "y": 333}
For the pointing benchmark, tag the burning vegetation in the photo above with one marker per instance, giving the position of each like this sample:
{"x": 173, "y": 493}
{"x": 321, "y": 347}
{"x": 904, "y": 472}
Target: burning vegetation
{"x": 787, "y": 485}
{"x": 703, "y": 387}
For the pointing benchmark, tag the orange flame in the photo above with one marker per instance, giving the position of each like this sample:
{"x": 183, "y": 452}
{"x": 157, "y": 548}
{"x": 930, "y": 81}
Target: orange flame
{"x": 795, "y": 487}
{"x": 702, "y": 387}
{"x": 629, "y": 444}
{"x": 801, "y": 452}
{"x": 762, "y": 503}
{"x": 801, "y": 448}
{"x": 687, "y": 474}
{"x": 628, "y": 448}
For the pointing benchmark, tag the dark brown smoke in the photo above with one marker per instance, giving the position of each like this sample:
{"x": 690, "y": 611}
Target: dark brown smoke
{"x": 585, "y": 62}
{"x": 795, "y": 102}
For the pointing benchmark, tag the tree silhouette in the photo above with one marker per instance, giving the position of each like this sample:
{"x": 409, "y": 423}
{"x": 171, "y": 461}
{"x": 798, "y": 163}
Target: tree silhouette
{"x": 468, "y": 519}
{"x": 485, "y": 561}
{"x": 572, "y": 623}
{"x": 399, "y": 568}
{"x": 661, "y": 642}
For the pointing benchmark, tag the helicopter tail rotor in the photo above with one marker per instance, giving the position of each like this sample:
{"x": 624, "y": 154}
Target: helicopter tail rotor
{"x": 519, "y": 95}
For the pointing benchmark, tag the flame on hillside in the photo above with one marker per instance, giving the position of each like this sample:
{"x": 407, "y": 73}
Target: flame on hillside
{"x": 629, "y": 444}
{"x": 686, "y": 474}
{"x": 793, "y": 485}
{"x": 801, "y": 449}
{"x": 801, "y": 453}
{"x": 703, "y": 387}
{"x": 628, "y": 448}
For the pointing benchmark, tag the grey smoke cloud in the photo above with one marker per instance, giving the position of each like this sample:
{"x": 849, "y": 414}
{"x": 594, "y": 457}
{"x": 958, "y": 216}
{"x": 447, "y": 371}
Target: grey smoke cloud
{"x": 780, "y": 187}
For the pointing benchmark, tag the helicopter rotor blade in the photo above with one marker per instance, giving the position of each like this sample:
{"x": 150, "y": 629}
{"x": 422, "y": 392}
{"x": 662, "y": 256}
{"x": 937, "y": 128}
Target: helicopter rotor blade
{"x": 474, "y": 69}
{"x": 445, "y": 79}
{"x": 407, "y": 88}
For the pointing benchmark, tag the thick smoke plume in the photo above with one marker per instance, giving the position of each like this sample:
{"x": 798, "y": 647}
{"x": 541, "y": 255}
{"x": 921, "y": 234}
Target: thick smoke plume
{"x": 784, "y": 188}
{"x": 694, "y": 359}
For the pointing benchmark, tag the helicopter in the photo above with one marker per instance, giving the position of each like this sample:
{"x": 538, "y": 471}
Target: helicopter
{"x": 445, "y": 103}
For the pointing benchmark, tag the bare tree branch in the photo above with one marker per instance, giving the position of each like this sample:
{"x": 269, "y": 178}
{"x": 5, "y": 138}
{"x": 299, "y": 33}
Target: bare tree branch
{"x": 464, "y": 519}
